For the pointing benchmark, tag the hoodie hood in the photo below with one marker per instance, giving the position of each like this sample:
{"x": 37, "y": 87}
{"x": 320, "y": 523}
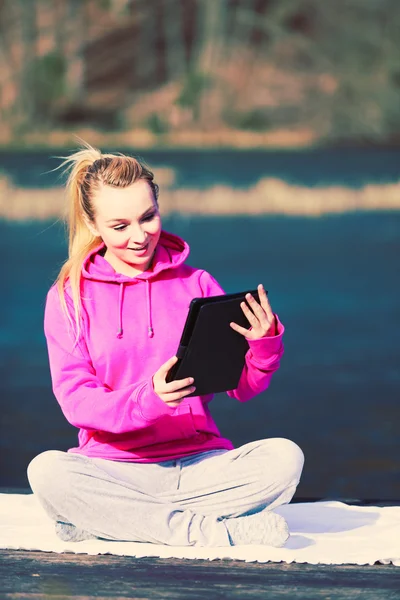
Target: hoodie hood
{"x": 171, "y": 252}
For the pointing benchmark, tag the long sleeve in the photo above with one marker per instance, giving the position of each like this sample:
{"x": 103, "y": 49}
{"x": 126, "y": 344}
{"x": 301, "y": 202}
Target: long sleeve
{"x": 261, "y": 360}
{"x": 84, "y": 400}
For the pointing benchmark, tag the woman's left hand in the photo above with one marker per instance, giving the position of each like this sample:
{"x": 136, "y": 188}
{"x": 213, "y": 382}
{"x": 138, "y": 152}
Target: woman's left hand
{"x": 261, "y": 317}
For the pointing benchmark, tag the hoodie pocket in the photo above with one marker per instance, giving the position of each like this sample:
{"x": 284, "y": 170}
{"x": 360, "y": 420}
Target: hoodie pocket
{"x": 174, "y": 427}
{"x": 167, "y": 428}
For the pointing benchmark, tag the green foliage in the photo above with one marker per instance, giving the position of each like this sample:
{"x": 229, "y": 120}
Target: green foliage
{"x": 104, "y": 4}
{"x": 194, "y": 85}
{"x": 47, "y": 76}
{"x": 251, "y": 120}
{"x": 156, "y": 124}
{"x": 335, "y": 66}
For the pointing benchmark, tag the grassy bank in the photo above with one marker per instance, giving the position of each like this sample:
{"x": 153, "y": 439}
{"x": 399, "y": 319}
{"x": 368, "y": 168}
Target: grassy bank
{"x": 141, "y": 138}
{"x": 268, "y": 196}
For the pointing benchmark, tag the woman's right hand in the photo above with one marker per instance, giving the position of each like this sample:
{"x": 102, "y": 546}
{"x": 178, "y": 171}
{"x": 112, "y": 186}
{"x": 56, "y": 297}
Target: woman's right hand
{"x": 171, "y": 393}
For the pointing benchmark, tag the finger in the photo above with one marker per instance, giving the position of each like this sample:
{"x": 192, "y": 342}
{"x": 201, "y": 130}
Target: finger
{"x": 174, "y": 386}
{"x": 239, "y": 329}
{"x": 167, "y": 365}
{"x": 265, "y": 302}
{"x": 163, "y": 370}
{"x": 183, "y": 383}
{"x": 180, "y": 395}
{"x": 254, "y": 322}
{"x": 258, "y": 311}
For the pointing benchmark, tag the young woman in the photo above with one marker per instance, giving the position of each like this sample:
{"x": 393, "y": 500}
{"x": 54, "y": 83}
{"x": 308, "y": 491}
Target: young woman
{"x": 150, "y": 465}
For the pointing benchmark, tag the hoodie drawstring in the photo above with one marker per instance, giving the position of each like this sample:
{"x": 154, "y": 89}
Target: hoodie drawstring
{"x": 150, "y": 331}
{"x": 120, "y": 331}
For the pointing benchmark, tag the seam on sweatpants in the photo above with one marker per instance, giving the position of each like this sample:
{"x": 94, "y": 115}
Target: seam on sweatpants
{"x": 179, "y": 474}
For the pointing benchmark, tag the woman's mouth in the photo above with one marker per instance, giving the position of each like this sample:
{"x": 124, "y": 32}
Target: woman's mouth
{"x": 141, "y": 250}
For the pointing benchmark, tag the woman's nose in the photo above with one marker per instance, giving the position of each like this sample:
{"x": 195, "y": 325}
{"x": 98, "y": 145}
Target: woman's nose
{"x": 138, "y": 236}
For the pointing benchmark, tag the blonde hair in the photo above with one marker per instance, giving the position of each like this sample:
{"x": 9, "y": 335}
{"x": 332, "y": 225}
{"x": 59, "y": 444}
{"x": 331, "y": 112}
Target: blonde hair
{"x": 88, "y": 169}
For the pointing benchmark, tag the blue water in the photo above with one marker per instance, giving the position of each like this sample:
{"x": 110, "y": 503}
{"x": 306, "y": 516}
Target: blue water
{"x": 238, "y": 168}
{"x": 334, "y": 281}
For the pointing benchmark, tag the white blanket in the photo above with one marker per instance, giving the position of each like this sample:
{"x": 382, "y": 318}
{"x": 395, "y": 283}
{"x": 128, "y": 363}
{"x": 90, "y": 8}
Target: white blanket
{"x": 331, "y": 533}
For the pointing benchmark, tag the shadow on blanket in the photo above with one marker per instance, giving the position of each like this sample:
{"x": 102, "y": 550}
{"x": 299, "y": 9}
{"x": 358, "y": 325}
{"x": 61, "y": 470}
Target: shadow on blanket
{"x": 330, "y": 519}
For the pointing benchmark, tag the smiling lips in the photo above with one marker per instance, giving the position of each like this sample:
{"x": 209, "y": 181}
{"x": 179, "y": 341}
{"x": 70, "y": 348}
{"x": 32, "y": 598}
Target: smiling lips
{"x": 140, "y": 250}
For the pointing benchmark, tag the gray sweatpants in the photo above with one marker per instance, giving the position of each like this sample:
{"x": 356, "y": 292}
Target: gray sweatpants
{"x": 182, "y": 502}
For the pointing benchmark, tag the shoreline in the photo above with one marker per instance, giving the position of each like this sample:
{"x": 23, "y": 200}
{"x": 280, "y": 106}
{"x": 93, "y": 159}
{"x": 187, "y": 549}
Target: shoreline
{"x": 269, "y": 196}
{"x": 199, "y": 140}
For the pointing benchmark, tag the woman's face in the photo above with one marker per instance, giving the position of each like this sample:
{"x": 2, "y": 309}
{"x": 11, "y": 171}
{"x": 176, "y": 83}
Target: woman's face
{"x": 128, "y": 221}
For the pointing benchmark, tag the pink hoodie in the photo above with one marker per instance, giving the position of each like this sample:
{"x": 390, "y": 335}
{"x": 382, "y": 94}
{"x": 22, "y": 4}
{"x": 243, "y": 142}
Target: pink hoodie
{"x": 131, "y": 326}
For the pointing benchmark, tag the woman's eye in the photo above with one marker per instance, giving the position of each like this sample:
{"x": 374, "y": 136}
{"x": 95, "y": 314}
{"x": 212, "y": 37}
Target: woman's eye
{"x": 122, "y": 227}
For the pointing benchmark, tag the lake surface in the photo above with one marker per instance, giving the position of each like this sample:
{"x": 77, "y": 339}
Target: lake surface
{"x": 238, "y": 168}
{"x": 334, "y": 281}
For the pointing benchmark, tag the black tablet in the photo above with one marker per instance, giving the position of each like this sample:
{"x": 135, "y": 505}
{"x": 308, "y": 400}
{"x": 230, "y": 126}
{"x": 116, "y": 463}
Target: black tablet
{"x": 211, "y": 351}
